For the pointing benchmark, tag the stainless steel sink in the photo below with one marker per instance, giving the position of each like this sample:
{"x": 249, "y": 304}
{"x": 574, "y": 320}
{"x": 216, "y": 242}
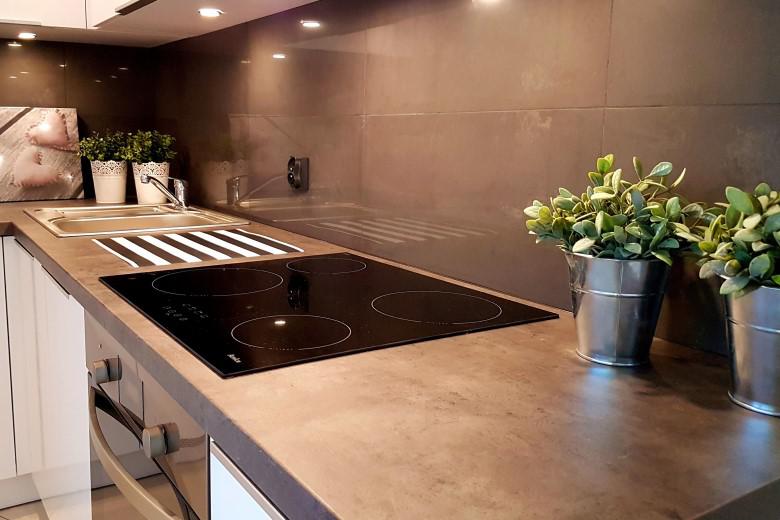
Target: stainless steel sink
{"x": 106, "y": 220}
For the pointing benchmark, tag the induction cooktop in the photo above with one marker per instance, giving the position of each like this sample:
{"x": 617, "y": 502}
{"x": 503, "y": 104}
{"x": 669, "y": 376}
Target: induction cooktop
{"x": 255, "y": 316}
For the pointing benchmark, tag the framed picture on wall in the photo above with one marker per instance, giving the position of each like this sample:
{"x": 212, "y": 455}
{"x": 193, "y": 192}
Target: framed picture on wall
{"x": 38, "y": 159}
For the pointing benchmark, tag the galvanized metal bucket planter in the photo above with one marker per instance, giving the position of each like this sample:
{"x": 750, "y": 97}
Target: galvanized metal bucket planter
{"x": 616, "y": 307}
{"x": 754, "y": 343}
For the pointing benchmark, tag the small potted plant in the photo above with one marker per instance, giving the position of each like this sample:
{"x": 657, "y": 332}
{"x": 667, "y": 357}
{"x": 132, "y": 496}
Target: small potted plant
{"x": 106, "y": 155}
{"x": 742, "y": 245}
{"x": 150, "y": 152}
{"x": 619, "y": 238}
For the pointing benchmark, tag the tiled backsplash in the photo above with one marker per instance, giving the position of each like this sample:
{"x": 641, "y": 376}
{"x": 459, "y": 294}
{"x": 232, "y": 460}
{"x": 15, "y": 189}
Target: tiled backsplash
{"x": 457, "y": 113}
{"x": 453, "y": 115}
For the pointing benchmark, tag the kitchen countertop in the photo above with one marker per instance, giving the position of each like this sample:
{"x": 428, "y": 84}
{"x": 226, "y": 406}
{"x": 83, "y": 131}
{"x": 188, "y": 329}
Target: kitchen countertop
{"x": 507, "y": 423}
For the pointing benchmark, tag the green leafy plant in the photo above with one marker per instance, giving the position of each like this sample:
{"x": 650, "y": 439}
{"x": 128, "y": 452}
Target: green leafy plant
{"x": 742, "y": 241}
{"x": 108, "y": 147}
{"x": 616, "y": 217}
{"x": 149, "y": 146}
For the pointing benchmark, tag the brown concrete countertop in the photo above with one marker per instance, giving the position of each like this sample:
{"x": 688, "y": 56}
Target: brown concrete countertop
{"x": 508, "y": 423}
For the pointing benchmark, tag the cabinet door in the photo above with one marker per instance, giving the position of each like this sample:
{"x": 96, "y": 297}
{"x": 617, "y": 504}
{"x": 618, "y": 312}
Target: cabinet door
{"x": 232, "y": 494}
{"x": 7, "y": 452}
{"x": 64, "y": 480}
{"x": 23, "y": 346}
{"x": 51, "y": 13}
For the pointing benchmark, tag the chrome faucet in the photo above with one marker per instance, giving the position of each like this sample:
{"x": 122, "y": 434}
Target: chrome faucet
{"x": 179, "y": 195}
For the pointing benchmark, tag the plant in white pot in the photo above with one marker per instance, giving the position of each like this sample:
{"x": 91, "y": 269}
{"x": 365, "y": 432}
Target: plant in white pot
{"x": 619, "y": 238}
{"x": 150, "y": 152}
{"x": 742, "y": 245}
{"x": 106, "y": 154}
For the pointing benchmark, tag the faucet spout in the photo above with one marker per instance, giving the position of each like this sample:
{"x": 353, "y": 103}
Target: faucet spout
{"x": 179, "y": 195}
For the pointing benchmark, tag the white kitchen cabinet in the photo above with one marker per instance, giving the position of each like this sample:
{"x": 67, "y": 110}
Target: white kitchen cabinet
{"x": 99, "y": 11}
{"x": 232, "y": 494}
{"x": 63, "y": 481}
{"x": 7, "y": 451}
{"x": 50, "y": 13}
{"x": 23, "y": 345}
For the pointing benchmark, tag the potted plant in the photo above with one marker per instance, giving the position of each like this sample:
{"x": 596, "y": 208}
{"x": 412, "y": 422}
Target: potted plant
{"x": 619, "y": 238}
{"x": 742, "y": 245}
{"x": 150, "y": 152}
{"x": 106, "y": 155}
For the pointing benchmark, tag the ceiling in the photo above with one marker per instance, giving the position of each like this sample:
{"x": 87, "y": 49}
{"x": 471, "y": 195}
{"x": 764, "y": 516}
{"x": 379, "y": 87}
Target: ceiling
{"x": 160, "y": 22}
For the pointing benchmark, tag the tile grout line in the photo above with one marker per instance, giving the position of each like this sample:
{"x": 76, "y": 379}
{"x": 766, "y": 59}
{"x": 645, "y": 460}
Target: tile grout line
{"x": 606, "y": 77}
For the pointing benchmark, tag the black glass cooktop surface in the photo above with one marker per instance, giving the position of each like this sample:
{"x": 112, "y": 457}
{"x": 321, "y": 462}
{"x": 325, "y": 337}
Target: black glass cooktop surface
{"x": 256, "y": 316}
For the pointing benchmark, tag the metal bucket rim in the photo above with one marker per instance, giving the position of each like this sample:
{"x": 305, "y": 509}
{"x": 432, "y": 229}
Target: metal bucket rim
{"x": 641, "y": 260}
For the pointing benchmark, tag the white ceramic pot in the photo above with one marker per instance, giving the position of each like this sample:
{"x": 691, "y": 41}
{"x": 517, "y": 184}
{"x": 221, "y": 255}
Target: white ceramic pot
{"x": 110, "y": 178}
{"x": 147, "y": 193}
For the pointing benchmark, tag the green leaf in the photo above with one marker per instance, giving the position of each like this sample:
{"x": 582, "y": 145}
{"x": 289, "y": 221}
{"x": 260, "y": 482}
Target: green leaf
{"x": 712, "y": 268}
{"x": 752, "y": 221}
{"x": 662, "y": 169}
{"x": 772, "y": 223}
{"x": 776, "y": 279}
{"x": 669, "y": 243}
{"x": 589, "y": 229}
{"x": 620, "y": 235}
{"x": 747, "y": 235}
{"x": 531, "y": 211}
{"x": 603, "y": 222}
{"x": 732, "y": 268}
{"x": 761, "y": 266}
{"x": 596, "y": 178}
{"x": 638, "y": 200}
{"x": 740, "y": 200}
{"x": 565, "y": 193}
{"x": 679, "y": 180}
{"x": 663, "y": 256}
{"x": 673, "y": 209}
{"x": 734, "y": 284}
{"x": 638, "y": 167}
{"x": 583, "y": 245}
{"x": 634, "y": 247}
{"x": 602, "y": 196}
{"x": 603, "y": 164}
{"x": 732, "y": 217}
{"x": 563, "y": 203}
{"x": 762, "y": 189}
{"x": 759, "y": 246}
{"x": 707, "y": 246}
{"x": 693, "y": 210}
{"x": 616, "y": 177}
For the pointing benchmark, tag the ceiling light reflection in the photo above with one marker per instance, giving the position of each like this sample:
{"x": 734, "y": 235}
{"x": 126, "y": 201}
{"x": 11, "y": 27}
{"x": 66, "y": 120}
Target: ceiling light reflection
{"x": 14, "y": 44}
{"x": 278, "y": 56}
{"x": 311, "y": 24}
{"x": 27, "y": 35}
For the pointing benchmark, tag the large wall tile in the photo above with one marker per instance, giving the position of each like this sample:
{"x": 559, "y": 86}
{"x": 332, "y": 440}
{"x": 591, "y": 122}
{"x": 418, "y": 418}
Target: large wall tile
{"x": 447, "y": 55}
{"x": 484, "y": 168}
{"x": 672, "y": 52}
{"x": 719, "y": 145}
{"x": 323, "y": 72}
{"x": 31, "y": 75}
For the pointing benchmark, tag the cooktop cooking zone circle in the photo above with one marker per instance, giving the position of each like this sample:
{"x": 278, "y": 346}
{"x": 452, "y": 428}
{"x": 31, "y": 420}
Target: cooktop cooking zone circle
{"x": 326, "y": 265}
{"x": 217, "y": 281}
{"x": 291, "y": 332}
{"x": 436, "y": 307}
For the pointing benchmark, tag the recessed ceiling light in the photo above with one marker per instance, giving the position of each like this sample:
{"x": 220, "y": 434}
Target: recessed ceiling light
{"x": 114, "y": 76}
{"x": 209, "y": 12}
{"x": 11, "y": 77}
{"x": 23, "y": 72}
{"x": 246, "y": 62}
{"x": 14, "y": 44}
{"x": 311, "y": 24}
{"x": 98, "y": 81}
{"x": 27, "y": 35}
{"x": 123, "y": 68}
{"x": 62, "y": 65}
{"x": 278, "y": 56}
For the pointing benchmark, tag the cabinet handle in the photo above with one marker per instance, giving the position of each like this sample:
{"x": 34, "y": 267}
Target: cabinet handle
{"x": 138, "y": 497}
{"x": 106, "y": 370}
{"x": 160, "y": 440}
